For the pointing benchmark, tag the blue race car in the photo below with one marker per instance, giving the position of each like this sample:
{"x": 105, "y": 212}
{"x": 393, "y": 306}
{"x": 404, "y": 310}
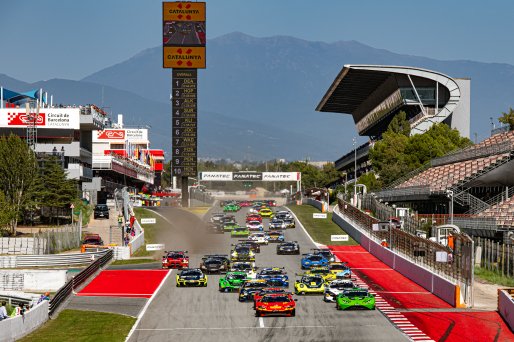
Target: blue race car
{"x": 313, "y": 260}
{"x": 274, "y": 276}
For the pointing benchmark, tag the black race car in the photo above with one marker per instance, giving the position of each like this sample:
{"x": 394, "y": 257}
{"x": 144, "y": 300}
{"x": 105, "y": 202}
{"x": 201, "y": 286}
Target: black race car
{"x": 254, "y": 246}
{"x": 288, "y": 247}
{"x": 327, "y": 253}
{"x": 215, "y": 263}
{"x": 214, "y": 228}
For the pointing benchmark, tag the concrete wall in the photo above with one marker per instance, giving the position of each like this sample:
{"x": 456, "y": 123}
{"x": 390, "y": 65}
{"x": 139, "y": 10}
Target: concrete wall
{"x": 316, "y": 204}
{"x": 461, "y": 116}
{"x": 441, "y": 287}
{"x": 9, "y": 245}
{"x": 32, "y": 280}
{"x": 506, "y": 306}
{"x": 14, "y": 328}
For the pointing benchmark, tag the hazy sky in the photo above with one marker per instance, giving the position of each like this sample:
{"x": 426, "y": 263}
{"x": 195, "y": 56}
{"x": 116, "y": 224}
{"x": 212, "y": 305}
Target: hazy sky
{"x": 45, "y": 39}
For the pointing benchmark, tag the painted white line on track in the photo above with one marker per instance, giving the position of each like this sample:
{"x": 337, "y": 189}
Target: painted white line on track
{"x": 239, "y": 328}
{"x": 261, "y": 322}
{"x": 141, "y": 314}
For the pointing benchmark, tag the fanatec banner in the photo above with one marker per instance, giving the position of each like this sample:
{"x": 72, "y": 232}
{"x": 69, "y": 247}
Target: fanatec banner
{"x": 251, "y": 176}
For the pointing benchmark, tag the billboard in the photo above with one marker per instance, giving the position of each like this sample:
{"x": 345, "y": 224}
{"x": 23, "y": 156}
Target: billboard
{"x": 120, "y": 135}
{"x": 251, "y": 176}
{"x": 183, "y": 35}
{"x": 55, "y": 118}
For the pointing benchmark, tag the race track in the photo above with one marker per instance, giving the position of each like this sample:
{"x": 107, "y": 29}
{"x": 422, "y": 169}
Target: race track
{"x": 205, "y": 314}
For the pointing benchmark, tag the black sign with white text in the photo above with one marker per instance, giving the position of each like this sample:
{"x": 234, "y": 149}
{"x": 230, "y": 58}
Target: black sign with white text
{"x": 184, "y": 122}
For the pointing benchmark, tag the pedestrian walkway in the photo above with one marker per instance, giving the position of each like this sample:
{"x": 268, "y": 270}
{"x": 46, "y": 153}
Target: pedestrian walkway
{"x": 103, "y": 226}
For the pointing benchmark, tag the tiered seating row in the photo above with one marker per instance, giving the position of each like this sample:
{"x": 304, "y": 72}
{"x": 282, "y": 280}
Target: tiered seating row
{"x": 440, "y": 178}
{"x": 503, "y": 212}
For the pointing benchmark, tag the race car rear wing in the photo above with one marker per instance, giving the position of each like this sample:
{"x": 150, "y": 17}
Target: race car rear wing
{"x": 166, "y": 252}
{"x": 215, "y": 256}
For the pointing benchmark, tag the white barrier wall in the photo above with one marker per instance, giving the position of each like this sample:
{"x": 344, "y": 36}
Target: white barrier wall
{"x": 14, "y": 328}
{"x": 32, "y": 280}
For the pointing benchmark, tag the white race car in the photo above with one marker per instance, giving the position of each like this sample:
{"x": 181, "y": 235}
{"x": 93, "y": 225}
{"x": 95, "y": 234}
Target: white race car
{"x": 244, "y": 266}
{"x": 254, "y": 226}
{"x": 286, "y": 214}
{"x": 261, "y": 238}
{"x": 336, "y": 287}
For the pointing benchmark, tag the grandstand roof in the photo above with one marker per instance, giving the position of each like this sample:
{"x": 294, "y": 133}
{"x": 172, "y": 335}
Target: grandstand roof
{"x": 13, "y": 96}
{"x": 371, "y": 94}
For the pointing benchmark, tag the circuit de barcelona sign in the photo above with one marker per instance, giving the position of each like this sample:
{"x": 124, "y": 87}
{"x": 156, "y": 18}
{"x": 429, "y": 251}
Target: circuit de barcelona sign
{"x": 251, "y": 176}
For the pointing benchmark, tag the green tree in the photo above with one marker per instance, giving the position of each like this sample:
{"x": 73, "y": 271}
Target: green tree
{"x": 398, "y": 153}
{"x": 370, "y": 181}
{"x": 508, "y": 118}
{"x": 55, "y": 191}
{"x": 18, "y": 175}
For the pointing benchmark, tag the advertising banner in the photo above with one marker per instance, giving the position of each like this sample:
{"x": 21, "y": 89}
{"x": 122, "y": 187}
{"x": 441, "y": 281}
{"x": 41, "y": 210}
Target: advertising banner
{"x": 120, "y": 135}
{"x": 247, "y": 176}
{"x": 281, "y": 176}
{"x": 216, "y": 176}
{"x": 55, "y": 118}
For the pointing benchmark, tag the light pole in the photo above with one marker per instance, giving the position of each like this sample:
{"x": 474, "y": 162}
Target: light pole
{"x": 355, "y": 171}
{"x": 449, "y": 193}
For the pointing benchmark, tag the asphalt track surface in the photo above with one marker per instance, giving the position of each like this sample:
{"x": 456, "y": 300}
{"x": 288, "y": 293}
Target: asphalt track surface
{"x": 205, "y": 314}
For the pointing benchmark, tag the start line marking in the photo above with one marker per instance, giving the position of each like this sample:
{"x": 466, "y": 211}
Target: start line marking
{"x": 237, "y": 328}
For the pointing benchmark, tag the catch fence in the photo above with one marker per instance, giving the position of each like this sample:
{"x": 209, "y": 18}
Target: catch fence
{"x": 495, "y": 256}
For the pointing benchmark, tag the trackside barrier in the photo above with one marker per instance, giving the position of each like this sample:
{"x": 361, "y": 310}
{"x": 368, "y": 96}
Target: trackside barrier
{"x": 316, "y": 204}
{"x": 15, "y": 328}
{"x": 437, "y": 285}
{"x": 506, "y": 306}
{"x": 49, "y": 260}
{"x": 62, "y": 294}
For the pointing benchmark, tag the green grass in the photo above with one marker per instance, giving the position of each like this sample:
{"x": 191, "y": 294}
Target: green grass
{"x": 493, "y": 277}
{"x": 320, "y": 229}
{"x": 79, "y": 326}
{"x": 132, "y": 261}
{"x": 151, "y": 230}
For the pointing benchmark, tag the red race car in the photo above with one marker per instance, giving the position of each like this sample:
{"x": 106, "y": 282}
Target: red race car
{"x": 275, "y": 304}
{"x": 253, "y": 217}
{"x": 175, "y": 259}
{"x": 258, "y": 295}
{"x": 245, "y": 204}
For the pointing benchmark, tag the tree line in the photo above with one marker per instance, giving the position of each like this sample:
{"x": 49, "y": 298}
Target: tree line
{"x": 29, "y": 184}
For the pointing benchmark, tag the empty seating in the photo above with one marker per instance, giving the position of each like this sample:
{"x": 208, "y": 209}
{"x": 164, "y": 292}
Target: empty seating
{"x": 503, "y": 212}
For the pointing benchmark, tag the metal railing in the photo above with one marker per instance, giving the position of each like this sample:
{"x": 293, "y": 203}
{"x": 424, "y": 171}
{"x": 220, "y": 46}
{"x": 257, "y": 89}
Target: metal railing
{"x": 49, "y": 260}
{"x": 419, "y": 250}
{"x": 469, "y": 153}
{"x": 63, "y": 293}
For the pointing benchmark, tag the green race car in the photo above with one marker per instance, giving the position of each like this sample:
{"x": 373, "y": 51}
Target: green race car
{"x": 229, "y": 226}
{"x": 355, "y": 298}
{"x": 232, "y": 281}
{"x": 240, "y": 232}
{"x": 231, "y": 208}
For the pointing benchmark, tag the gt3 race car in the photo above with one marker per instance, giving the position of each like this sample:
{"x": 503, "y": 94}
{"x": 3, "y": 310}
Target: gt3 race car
{"x": 267, "y": 290}
{"x": 175, "y": 259}
{"x": 313, "y": 260}
{"x": 340, "y": 269}
{"x": 309, "y": 284}
{"x": 288, "y": 247}
{"x": 214, "y": 228}
{"x": 232, "y": 281}
{"x": 254, "y": 246}
{"x": 254, "y": 226}
{"x": 275, "y": 236}
{"x": 242, "y": 253}
{"x": 323, "y": 271}
{"x": 327, "y": 253}
{"x": 239, "y": 232}
{"x": 231, "y": 208}
{"x": 253, "y": 217}
{"x": 260, "y": 238}
{"x": 274, "y": 276}
{"x": 265, "y": 212}
{"x": 215, "y": 263}
{"x": 250, "y": 287}
{"x": 355, "y": 298}
{"x": 290, "y": 222}
{"x": 229, "y": 226}
{"x": 336, "y": 287}
{"x": 244, "y": 266}
{"x": 276, "y": 224}
{"x": 191, "y": 277}
{"x": 275, "y": 304}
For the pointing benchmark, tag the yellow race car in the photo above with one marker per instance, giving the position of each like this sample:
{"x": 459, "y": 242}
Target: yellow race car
{"x": 323, "y": 271}
{"x": 266, "y": 212}
{"x": 340, "y": 270}
{"x": 191, "y": 277}
{"x": 308, "y": 284}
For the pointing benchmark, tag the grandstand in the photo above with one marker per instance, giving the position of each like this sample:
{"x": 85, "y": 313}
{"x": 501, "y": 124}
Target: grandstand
{"x": 374, "y": 94}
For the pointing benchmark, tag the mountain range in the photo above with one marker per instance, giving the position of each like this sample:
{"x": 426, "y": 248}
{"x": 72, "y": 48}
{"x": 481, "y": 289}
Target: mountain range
{"x": 256, "y": 98}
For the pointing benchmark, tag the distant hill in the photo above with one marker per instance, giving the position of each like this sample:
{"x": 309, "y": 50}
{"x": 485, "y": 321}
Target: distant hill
{"x": 269, "y": 86}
